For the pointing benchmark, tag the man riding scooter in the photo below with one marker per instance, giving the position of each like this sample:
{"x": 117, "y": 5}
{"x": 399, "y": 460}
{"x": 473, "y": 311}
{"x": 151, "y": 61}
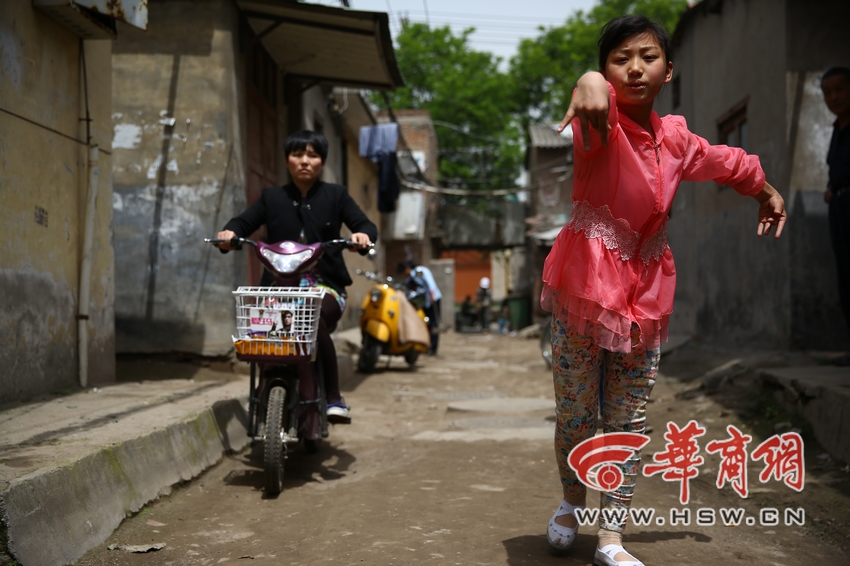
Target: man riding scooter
{"x": 307, "y": 211}
{"x": 416, "y": 282}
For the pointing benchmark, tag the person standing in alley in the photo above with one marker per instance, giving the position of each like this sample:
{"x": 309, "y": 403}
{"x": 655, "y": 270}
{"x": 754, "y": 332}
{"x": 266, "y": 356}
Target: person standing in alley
{"x": 434, "y": 314}
{"x": 835, "y": 85}
{"x": 484, "y": 298}
{"x": 418, "y": 292}
{"x": 609, "y": 280}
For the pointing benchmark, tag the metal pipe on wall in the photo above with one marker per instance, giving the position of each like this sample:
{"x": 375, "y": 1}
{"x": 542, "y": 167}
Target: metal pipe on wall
{"x": 86, "y": 266}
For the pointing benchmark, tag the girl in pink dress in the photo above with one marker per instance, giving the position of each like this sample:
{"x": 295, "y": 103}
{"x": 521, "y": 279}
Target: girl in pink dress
{"x": 609, "y": 279}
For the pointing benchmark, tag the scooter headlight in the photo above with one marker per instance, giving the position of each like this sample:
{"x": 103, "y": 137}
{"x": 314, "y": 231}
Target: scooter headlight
{"x": 375, "y": 295}
{"x": 286, "y": 263}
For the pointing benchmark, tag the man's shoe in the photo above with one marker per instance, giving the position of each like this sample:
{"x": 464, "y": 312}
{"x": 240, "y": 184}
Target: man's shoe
{"x": 842, "y": 360}
{"x": 338, "y": 413}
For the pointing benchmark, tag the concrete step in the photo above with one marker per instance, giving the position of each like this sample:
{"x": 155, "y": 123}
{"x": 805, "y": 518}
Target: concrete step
{"x": 821, "y": 394}
{"x": 72, "y": 467}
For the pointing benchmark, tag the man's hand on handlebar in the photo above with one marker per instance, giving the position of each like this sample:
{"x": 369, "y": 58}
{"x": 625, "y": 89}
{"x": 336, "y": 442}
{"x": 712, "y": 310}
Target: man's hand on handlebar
{"x": 225, "y": 235}
{"x": 362, "y": 241}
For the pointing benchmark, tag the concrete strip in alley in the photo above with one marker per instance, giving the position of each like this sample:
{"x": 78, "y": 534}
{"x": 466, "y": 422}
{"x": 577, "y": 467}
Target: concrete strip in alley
{"x": 450, "y": 462}
{"x": 412, "y": 482}
{"x": 72, "y": 467}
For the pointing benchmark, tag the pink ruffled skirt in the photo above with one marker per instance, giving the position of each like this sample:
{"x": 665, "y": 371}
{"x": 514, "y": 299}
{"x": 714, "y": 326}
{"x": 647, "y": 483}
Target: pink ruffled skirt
{"x": 589, "y": 287}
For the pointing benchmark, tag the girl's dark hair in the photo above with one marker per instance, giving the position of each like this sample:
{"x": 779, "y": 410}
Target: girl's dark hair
{"x": 302, "y": 138}
{"x": 620, "y": 28}
{"x": 834, "y": 71}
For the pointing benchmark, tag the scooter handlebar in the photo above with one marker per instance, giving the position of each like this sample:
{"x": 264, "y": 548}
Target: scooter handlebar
{"x": 235, "y": 243}
{"x": 345, "y": 244}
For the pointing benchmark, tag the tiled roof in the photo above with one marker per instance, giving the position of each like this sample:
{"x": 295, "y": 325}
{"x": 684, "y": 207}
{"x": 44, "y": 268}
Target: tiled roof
{"x": 541, "y": 135}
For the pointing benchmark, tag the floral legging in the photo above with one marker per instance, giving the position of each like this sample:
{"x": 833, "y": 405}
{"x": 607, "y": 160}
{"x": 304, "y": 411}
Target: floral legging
{"x": 579, "y": 369}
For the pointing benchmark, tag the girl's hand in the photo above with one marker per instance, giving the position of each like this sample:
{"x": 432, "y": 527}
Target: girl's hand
{"x": 771, "y": 211}
{"x": 590, "y": 105}
{"x": 225, "y": 235}
{"x": 362, "y": 240}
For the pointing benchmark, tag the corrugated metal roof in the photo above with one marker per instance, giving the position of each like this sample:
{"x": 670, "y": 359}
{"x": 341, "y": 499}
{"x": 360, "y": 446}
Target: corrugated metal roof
{"x": 324, "y": 44}
{"x": 541, "y": 135}
{"x": 95, "y": 19}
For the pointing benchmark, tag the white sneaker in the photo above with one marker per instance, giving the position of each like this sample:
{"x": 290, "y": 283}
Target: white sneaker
{"x": 338, "y": 413}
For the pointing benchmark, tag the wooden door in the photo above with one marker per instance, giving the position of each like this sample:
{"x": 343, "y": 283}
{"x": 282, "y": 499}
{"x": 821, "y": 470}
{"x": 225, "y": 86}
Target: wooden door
{"x": 262, "y": 161}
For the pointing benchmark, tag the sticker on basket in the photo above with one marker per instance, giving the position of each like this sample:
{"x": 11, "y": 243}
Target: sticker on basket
{"x": 286, "y": 314}
{"x": 264, "y": 320}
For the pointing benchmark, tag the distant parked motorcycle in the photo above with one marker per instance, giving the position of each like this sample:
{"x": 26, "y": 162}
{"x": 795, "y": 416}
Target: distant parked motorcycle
{"x": 390, "y": 323}
{"x": 276, "y": 332}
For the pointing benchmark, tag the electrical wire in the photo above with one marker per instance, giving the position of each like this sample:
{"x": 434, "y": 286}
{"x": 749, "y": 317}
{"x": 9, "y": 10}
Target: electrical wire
{"x": 345, "y": 100}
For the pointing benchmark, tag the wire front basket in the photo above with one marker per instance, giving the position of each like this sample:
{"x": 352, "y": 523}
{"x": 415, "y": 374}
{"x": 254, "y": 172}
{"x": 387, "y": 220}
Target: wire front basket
{"x": 277, "y": 324}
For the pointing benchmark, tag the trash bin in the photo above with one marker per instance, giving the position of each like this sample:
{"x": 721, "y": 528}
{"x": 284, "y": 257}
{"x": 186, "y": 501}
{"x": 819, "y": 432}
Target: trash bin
{"x": 520, "y": 306}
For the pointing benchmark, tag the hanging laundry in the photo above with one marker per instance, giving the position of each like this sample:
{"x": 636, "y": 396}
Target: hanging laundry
{"x": 379, "y": 143}
{"x": 375, "y": 140}
{"x": 388, "y": 184}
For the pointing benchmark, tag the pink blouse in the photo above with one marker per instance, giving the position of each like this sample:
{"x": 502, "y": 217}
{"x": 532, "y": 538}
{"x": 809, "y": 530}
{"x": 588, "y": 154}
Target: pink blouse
{"x": 610, "y": 266}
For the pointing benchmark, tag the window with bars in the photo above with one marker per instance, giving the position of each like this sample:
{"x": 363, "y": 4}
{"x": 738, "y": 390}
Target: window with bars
{"x": 732, "y": 126}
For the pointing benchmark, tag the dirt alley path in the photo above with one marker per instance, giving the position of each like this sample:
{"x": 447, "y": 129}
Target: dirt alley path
{"x": 412, "y": 482}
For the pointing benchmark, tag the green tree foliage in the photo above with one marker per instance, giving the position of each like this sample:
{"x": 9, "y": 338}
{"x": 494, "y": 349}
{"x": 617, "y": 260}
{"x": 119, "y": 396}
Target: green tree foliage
{"x": 480, "y": 113}
{"x": 546, "y": 68}
{"x": 470, "y": 100}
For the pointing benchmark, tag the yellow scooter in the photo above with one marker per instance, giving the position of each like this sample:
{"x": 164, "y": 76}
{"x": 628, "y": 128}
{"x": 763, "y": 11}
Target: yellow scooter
{"x": 391, "y": 324}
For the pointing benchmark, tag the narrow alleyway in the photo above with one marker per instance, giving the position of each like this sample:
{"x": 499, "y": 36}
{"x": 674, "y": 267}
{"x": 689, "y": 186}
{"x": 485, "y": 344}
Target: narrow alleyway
{"x": 452, "y": 463}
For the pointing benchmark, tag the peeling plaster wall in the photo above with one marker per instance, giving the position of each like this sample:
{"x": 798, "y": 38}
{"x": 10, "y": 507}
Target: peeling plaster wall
{"x": 363, "y": 188}
{"x": 177, "y": 182}
{"x": 732, "y": 286}
{"x": 316, "y": 114}
{"x": 43, "y": 191}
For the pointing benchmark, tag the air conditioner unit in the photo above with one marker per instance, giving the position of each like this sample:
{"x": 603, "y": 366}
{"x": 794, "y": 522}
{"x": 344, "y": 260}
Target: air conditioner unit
{"x": 95, "y": 19}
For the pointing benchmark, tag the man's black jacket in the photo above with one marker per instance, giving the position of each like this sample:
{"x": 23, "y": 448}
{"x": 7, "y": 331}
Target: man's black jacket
{"x": 320, "y": 214}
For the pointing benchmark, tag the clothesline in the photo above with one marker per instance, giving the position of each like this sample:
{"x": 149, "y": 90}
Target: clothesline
{"x": 379, "y": 143}
{"x": 473, "y": 192}
{"x": 463, "y": 192}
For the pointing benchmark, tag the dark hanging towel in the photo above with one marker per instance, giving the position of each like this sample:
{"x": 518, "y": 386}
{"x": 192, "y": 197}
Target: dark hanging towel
{"x": 388, "y": 186}
{"x": 379, "y": 144}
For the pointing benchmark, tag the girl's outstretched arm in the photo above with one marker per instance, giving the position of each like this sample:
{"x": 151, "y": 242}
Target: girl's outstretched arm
{"x": 590, "y": 105}
{"x": 771, "y": 211}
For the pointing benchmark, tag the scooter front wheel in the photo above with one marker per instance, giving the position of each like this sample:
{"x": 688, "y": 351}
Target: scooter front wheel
{"x": 274, "y": 451}
{"x": 369, "y": 354}
{"x": 411, "y": 356}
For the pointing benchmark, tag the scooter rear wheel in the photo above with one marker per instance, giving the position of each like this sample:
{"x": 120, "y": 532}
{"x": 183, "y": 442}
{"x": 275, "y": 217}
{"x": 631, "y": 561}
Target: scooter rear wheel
{"x": 274, "y": 451}
{"x": 369, "y": 354}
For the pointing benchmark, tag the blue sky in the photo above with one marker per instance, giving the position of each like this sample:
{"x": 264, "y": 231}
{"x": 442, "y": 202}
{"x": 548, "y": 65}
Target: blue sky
{"x": 500, "y": 24}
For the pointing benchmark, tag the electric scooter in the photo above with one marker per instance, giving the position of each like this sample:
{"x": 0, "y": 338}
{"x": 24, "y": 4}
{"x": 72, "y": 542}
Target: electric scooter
{"x": 392, "y": 323}
{"x": 276, "y": 332}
